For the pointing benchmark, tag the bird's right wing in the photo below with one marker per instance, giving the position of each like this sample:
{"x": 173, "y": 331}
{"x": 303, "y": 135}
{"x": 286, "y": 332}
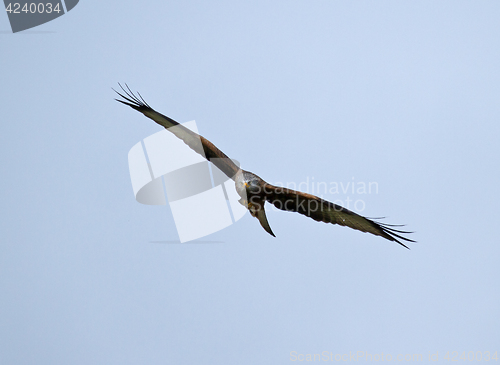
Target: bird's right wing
{"x": 325, "y": 211}
{"x": 196, "y": 142}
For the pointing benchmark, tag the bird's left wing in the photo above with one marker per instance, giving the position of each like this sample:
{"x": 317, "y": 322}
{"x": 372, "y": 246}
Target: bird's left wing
{"x": 325, "y": 211}
{"x": 206, "y": 148}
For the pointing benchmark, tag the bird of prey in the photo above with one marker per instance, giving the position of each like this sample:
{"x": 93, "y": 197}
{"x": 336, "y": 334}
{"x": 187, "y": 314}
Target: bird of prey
{"x": 254, "y": 191}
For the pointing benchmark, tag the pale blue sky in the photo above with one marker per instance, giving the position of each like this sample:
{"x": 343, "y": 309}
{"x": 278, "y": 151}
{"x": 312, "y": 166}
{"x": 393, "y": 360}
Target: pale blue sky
{"x": 405, "y": 94}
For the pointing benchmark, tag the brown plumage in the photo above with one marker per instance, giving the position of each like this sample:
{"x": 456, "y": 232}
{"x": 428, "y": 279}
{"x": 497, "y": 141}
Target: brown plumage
{"x": 254, "y": 191}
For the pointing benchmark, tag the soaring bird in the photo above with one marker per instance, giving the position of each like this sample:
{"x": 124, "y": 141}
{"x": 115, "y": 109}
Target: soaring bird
{"x": 255, "y": 192}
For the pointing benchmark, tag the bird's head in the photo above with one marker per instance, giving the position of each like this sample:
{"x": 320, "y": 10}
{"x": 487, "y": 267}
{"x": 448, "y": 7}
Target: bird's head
{"x": 252, "y": 186}
{"x": 247, "y": 184}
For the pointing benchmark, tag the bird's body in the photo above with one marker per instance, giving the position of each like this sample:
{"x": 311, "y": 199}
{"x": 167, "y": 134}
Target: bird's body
{"x": 255, "y": 192}
{"x": 252, "y": 190}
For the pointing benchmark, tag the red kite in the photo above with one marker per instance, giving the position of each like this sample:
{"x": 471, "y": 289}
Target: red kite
{"x": 254, "y": 191}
